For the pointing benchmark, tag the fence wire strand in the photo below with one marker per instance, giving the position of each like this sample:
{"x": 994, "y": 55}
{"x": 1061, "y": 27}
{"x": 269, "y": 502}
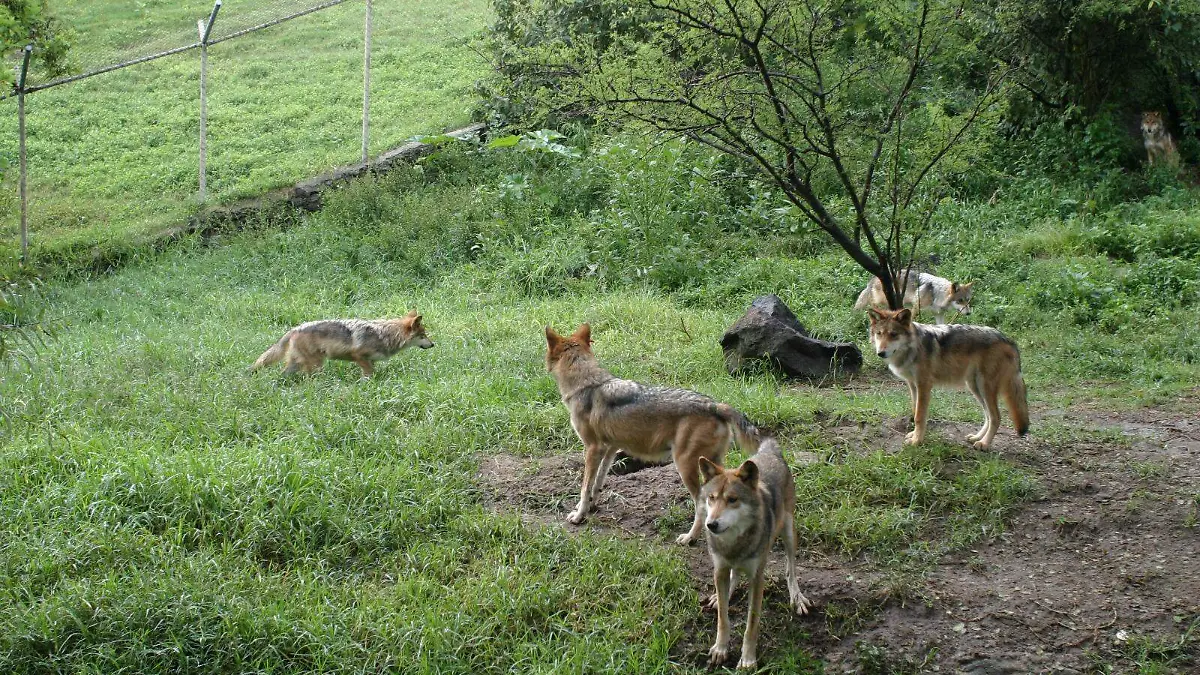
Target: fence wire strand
{"x": 166, "y": 30}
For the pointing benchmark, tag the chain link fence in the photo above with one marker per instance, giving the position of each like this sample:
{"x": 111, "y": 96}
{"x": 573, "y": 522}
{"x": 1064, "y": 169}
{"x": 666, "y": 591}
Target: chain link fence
{"x": 106, "y": 42}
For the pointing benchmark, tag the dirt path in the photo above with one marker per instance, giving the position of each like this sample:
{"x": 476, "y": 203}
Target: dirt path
{"x": 1103, "y": 569}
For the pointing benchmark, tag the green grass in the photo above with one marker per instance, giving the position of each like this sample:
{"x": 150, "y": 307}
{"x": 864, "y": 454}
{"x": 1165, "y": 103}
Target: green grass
{"x": 113, "y": 159}
{"x": 164, "y": 510}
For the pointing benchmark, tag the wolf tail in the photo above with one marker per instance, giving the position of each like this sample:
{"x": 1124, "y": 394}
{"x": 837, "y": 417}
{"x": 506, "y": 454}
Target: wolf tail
{"x": 1018, "y": 403}
{"x": 864, "y": 299}
{"x": 275, "y": 353}
{"x": 770, "y": 445}
{"x": 744, "y": 432}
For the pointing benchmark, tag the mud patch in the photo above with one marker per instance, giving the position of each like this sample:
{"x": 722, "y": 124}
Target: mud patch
{"x": 1101, "y": 570}
{"x": 638, "y": 499}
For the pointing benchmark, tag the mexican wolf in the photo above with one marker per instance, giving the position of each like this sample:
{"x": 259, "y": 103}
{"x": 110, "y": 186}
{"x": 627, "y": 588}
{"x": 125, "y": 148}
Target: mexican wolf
{"x": 940, "y": 295}
{"x": 649, "y": 423}
{"x": 748, "y": 508}
{"x": 979, "y": 358}
{"x": 363, "y": 341}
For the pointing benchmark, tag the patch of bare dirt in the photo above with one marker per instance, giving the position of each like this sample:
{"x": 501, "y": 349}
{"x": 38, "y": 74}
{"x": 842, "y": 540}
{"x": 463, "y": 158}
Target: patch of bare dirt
{"x": 1106, "y": 557}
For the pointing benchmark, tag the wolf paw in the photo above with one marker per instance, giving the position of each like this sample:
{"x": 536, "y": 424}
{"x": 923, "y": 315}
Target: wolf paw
{"x": 799, "y": 602}
{"x": 717, "y": 655}
{"x": 576, "y": 517}
{"x": 974, "y": 437}
{"x": 981, "y": 445}
{"x": 746, "y": 664}
{"x": 712, "y": 602}
{"x": 685, "y": 539}
{"x": 911, "y": 438}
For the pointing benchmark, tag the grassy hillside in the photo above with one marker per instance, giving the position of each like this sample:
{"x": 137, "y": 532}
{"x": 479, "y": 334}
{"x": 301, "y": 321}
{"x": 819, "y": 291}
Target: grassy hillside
{"x": 164, "y": 510}
{"x": 113, "y": 158}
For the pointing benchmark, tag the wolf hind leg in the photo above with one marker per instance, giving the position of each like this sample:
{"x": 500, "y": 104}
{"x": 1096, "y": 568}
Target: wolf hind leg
{"x": 976, "y": 388}
{"x": 799, "y": 602}
{"x": 992, "y": 403}
{"x": 693, "y": 534}
{"x": 708, "y": 438}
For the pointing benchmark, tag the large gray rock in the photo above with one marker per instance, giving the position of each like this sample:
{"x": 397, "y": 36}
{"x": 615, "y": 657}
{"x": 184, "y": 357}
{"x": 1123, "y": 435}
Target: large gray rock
{"x": 770, "y": 331}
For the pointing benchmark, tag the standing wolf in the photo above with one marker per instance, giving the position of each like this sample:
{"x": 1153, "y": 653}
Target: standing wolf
{"x": 748, "y": 508}
{"x": 359, "y": 340}
{"x": 980, "y": 358}
{"x": 938, "y": 294}
{"x": 1160, "y": 147}
{"x": 649, "y": 423}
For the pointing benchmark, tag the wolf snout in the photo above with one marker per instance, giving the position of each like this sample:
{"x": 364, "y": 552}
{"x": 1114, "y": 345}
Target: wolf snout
{"x": 881, "y": 353}
{"x": 713, "y": 526}
{"x": 431, "y": 345}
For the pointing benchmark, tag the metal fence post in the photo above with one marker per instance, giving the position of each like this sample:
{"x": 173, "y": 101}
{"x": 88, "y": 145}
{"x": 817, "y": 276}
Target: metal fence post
{"x": 366, "y": 117}
{"x": 205, "y": 31}
{"x": 23, "y": 178}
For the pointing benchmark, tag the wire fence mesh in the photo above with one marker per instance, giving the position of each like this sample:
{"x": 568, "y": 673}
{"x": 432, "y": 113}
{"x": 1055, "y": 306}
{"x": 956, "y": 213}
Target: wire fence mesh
{"x": 170, "y": 30}
{"x": 115, "y": 39}
{"x": 118, "y": 152}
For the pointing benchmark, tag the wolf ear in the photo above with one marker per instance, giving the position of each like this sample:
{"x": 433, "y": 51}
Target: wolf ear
{"x": 904, "y": 316}
{"x": 552, "y": 337}
{"x": 584, "y": 334}
{"x": 953, "y": 287}
{"x": 708, "y": 470}
{"x": 411, "y": 314}
{"x": 875, "y": 315}
{"x": 748, "y": 473}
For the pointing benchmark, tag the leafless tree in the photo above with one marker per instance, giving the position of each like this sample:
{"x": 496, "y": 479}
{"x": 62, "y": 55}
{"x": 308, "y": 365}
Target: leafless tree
{"x": 841, "y": 105}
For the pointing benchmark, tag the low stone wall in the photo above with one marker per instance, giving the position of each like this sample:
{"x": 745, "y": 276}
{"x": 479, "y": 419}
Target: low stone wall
{"x": 278, "y": 208}
{"x": 307, "y": 194}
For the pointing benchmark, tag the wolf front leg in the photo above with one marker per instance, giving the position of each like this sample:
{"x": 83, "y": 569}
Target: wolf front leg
{"x": 610, "y": 455}
{"x": 719, "y": 652}
{"x": 364, "y": 364}
{"x": 593, "y": 456}
{"x": 713, "y": 602}
{"x": 750, "y": 640}
{"x": 924, "y": 391}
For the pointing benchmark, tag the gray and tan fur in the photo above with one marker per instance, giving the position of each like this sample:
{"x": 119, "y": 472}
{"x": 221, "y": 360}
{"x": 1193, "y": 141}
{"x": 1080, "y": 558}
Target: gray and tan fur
{"x": 748, "y": 508}
{"x": 940, "y": 295}
{"x": 1160, "y": 147}
{"x": 652, "y": 424}
{"x": 363, "y": 341}
{"x": 981, "y": 359}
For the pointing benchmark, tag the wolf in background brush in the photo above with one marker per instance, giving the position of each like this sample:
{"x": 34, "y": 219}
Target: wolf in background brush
{"x": 650, "y": 423}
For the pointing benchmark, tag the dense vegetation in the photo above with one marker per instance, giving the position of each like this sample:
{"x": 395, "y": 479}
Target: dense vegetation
{"x": 165, "y": 511}
{"x": 162, "y": 510}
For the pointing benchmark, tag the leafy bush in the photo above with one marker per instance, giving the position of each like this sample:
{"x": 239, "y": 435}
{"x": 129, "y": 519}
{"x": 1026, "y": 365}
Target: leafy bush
{"x": 19, "y": 316}
{"x": 527, "y": 35}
